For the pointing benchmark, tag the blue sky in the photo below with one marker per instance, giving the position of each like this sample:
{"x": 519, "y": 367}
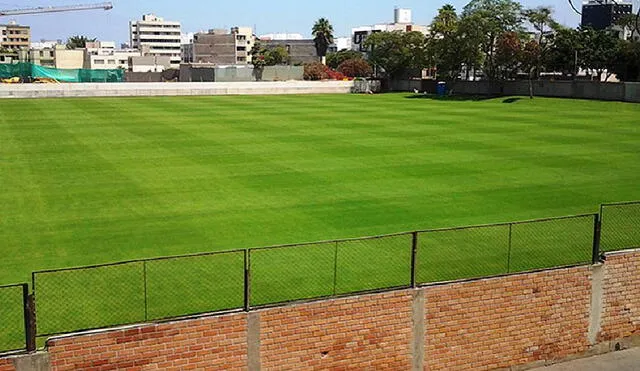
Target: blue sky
{"x": 268, "y": 16}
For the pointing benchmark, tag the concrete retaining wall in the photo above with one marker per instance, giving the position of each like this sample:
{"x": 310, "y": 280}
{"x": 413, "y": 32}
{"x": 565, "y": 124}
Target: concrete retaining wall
{"x": 513, "y": 322}
{"x": 171, "y": 89}
{"x": 625, "y": 92}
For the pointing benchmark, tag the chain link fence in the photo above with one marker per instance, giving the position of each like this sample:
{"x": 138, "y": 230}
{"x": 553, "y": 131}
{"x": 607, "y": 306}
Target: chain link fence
{"x": 620, "y": 226}
{"x": 12, "y": 317}
{"x": 77, "y": 299}
{"x": 490, "y": 250}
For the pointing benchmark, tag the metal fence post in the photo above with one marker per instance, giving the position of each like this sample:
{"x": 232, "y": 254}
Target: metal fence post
{"x": 335, "y": 269}
{"x": 597, "y": 233}
{"x": 414, "y": 254}
{"x": 29, "y": 319}
{"x": 146, "y": 300}
{"x": 510, "y": 244}
{"x": 247, "y": 280}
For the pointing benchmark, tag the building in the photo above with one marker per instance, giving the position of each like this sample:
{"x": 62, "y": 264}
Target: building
{"x": 342, "y": 43}
{"x": 186, "y": 47}
{"x": 282, "y": 36}
{"x": 44, "y": 56}
{"x": 601, "y": 14}
{"x": 15, "y": 37}
{"x": 402, "y": 21}
{"x": 163, "y": 38}
{"x": 301, "y": 51}
{"x": 150, "y": 63}
{"x": 221, "y": 47}
{"x": 68, "y": 58}
{"x": 103, "y": 55}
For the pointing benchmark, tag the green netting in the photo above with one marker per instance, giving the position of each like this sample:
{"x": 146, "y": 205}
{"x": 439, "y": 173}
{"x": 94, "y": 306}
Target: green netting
{"x": 31, "y": 71}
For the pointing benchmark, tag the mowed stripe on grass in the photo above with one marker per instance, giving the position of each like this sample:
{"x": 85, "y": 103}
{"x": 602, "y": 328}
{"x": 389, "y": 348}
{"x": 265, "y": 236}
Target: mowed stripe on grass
{"x": 89, "y": 181}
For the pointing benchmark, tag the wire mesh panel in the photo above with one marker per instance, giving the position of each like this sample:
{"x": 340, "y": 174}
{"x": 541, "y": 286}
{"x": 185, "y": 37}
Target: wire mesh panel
{"x": 620, "y": 226}
{"x": 12, "y": 336}
{"x": 195, "y": 284}
{"x": 89, "y": 298}
{"x": 551, "y": 243}
{"x": 373, "y": 264}
{"x": 292, "y": 273}
{"x": 454, "y": 254}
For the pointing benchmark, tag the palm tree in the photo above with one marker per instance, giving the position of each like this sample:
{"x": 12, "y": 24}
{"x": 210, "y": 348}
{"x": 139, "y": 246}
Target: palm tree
{"x": 78, "y": 42}
{"x": 323, "y": 37}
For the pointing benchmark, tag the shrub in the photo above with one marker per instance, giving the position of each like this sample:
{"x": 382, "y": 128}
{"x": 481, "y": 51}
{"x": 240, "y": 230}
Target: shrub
{"x": 355, "y": 68}
{"x": 318, "y": 71}
{"x": 315, "y": 71}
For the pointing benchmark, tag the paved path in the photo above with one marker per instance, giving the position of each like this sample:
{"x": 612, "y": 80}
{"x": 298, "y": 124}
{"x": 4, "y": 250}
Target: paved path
{"x": 626, "y": 360}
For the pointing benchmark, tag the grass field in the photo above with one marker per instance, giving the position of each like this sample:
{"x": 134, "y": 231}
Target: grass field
{"x": 89, "y": 181}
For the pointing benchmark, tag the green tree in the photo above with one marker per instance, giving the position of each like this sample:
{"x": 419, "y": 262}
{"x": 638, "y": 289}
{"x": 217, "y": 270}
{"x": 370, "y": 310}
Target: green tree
{"x": 493, "y": 18}
{"x": 276, "y": 55}
{"x": 446, "y": 22}
{"x": 322, "y": 32}
{"x": 268, "y": 56}
{"x": 598, "y": 50}
{"x": 335, "y": 59}
{"x": 563, "y": 52}
{"x": 444, "y": 45}
{"x": 79, "y": 42}
{"x": 542, "y": 21}
{"x": 397, "y": 53}
{"x": 627, "y": 61}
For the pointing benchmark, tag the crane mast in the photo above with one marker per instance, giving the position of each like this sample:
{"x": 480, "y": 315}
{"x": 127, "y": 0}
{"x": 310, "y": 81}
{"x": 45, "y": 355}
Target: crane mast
{"x": 56, "y": 9}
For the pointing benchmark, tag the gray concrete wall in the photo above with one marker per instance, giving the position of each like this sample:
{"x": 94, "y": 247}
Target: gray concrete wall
{"x": 173, "y": 89}
{"x": 626, "y": 92}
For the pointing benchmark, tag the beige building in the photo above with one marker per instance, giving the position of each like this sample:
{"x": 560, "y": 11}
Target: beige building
{"x": 15, "y": 37}
{"x": 163, "y": 38}
{"x": 103, "y": 55}
{"x": 68, "y": 59}
{"x": 402, "y": 21}
{"x": 223, "y": 47}
{"x": 43, "y": 57}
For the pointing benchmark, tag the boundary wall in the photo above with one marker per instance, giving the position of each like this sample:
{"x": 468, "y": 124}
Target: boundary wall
{"x": 510, "y": 323}
{"x": 174, "y": 89}
{"x": 623, "y": 91}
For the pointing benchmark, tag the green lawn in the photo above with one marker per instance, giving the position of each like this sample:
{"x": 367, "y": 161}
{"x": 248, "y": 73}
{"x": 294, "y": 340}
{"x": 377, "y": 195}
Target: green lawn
{"x": 90, "y": 181}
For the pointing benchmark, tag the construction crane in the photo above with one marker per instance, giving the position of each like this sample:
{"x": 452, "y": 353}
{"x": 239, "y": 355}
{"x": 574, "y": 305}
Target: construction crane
{"x": 55, "y": 9}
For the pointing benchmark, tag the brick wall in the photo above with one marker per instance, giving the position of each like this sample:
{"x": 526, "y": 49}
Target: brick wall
{"x": 496, "y": 323}
{"x": 6, "y": 364}
{"x": 479, "y": 325}
{"x": 214, "y": 343}
{"x": 360, "y": 333}
{"x": 621, "y": 299}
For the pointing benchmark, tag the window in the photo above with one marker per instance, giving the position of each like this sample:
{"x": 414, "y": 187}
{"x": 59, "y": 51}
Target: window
{"x": 123, "y": 61}
{"x": 111, "y": 61}
{"x": 99, "y": 61}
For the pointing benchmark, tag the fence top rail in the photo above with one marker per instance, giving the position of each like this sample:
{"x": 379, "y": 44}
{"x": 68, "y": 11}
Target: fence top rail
{"x": 621, "y": 203}
{"x": 13, "y": 285}
{"x": 186, "y": 256}
{"x": 106, "y": 265}
{"x": 577, "y": 216}
{"x": 331, "y": 241}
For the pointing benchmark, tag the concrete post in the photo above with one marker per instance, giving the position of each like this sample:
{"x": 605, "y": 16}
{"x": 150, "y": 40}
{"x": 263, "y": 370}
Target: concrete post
{"x": 32, "y": 362}
{"x": 417, "y": 341}
{"x": 253, "y": 340}
{"x": 595, "y": 314}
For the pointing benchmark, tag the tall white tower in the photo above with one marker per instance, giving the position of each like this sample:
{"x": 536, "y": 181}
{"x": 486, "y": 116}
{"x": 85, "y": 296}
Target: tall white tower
{"x": 402, "y": 15}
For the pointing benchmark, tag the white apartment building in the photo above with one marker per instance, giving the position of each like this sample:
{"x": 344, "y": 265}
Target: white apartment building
{"x": 103, "y": 55}
{"x": 402, "y": 21}
{"x": 163, "y": 38}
